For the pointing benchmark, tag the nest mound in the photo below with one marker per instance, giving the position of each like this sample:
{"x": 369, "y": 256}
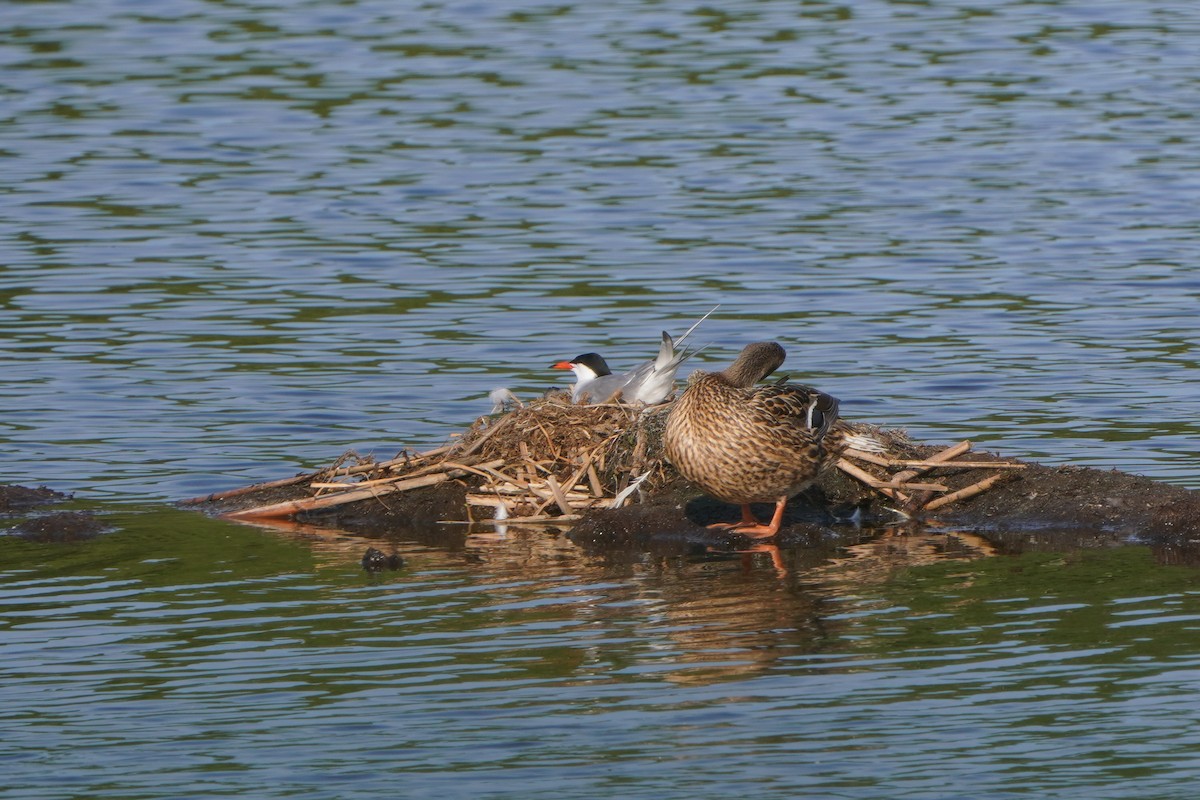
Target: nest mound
{"x": 583, "y": 467}
{"x": 548, "y": 460}
{"x": 555, "y": 431}
{"x": 552, "y": 461}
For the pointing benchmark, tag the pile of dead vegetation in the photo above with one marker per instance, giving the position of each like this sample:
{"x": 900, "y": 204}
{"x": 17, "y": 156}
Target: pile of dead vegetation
{"x": 548, "y": 460}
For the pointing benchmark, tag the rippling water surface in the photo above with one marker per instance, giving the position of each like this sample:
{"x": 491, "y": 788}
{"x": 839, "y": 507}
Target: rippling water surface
{"x": 237, "y": 239}
{"x": 195, "y": 658}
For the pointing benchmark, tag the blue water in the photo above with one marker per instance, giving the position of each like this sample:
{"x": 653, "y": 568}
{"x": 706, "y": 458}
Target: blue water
{"x": 201, "y": 659}
{"x": 239, "y": 239}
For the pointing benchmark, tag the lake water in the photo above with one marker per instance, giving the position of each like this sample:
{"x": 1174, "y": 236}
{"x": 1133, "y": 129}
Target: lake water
{"x": 237, "y": 239}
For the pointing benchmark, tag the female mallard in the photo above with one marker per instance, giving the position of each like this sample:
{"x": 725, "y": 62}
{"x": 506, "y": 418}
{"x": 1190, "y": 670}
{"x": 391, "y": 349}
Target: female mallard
{"x": 746, "y": 444}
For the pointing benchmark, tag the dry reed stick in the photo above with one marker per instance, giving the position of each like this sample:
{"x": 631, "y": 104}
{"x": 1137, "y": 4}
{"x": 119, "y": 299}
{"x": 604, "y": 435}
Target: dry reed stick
{"x": 862, "y": 455}
{"x": 308, "y": 476}
{"x": 934, "y": 460}
{"x": 964, "y": 493}
{"x": 963, "y": 464}
{"x": 441, "y": 466}
{"x": 290, "y": 507}
{"x": 487, "y": 470}
{"x": 549, "y": 440}
{"x": 594, "y": 479}
{"x": 913, "y": 487}
{"x": 586, "y": 464}
{"x": 404, "y": 459}
{"x": 487, "y": 500}
{"x": 559, "y": 498}
{"x": 478, "y": 443}
{"x": 854, "y": 471}
{"x": 542, "y": 519}
{"x": 257, "y": 487}
{"x": 899, "y": 462}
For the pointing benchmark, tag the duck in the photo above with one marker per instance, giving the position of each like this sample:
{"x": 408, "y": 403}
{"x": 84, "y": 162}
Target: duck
{"x": 744, "y": 443}
{"x": 650, "y": 382}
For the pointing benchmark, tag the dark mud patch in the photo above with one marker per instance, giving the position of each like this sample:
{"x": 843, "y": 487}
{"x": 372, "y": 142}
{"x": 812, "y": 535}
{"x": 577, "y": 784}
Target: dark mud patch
{"x": 22, "y": 498}
{"x": 418, "y": 510}
{"x": 21, "y": 513}
{"x": 61, "y": 527}
{"x": 1082, "y": 498}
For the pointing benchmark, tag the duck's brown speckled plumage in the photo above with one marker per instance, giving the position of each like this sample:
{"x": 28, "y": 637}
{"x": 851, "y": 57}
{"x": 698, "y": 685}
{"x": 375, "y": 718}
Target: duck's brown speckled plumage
{"x": 743, "y": 443}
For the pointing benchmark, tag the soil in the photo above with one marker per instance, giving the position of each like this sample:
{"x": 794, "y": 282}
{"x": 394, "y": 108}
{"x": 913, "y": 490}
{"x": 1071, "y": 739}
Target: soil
{"x": 20, "y": 513}
{"x": 61, "y": 526}
{"x": 1038, "y": 507}
{"x": 19, "y": 498}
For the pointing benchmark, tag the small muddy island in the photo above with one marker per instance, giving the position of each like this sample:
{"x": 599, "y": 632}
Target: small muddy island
{"x": 33, "y": 514}
{"x": 599, "y": 472}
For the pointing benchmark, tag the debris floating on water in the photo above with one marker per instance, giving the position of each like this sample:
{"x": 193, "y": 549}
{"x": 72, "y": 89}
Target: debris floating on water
{"x": 375, "y": 560}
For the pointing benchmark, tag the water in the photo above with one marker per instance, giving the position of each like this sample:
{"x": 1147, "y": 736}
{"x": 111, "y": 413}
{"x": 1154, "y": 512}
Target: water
{"x": 201, "y": 659}
{"x": 237, "y": 239}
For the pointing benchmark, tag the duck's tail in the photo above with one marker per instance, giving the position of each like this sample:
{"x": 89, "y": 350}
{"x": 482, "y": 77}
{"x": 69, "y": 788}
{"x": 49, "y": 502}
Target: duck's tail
{"x": 866, "y": 442}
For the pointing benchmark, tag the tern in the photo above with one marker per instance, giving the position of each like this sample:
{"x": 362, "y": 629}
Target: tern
{"x": 650, "y": 382}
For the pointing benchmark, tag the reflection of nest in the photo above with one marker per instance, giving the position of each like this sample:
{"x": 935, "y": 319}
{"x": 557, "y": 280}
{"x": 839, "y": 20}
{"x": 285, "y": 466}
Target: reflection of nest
{"x": 876, "y": 561}
{"x": 708, "y": 620}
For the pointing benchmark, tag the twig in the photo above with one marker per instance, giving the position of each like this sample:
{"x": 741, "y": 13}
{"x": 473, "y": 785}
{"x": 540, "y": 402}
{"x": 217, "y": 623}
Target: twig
{"x": 257, "y": 487}
{"x": 894, "y": 462}
{"x": 485, "y": 500}
{"x": 863, "y": 455}
{"x": 963, "y": 494}
{"x": 441, "y": 466}
{"x": 594, "y": 478}
{"x": 309, "y": 476}
{"x": 407, "y": 458}
{"x": 559, "y": 497}
{"x": 291, "y": 507}
{"x": 934, "y": 460}
{"x": 478, "y": 443}
{"x": 861, "y": 474}
{"x": 537, "y": 519}
{"x": 963, "y": 464}
{"x": 912, "y": 487}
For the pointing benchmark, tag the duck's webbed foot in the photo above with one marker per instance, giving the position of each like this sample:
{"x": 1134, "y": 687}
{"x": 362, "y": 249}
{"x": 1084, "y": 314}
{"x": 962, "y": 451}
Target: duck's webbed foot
{"x": 756, "y": 531}
{"x": 749, "y": 524}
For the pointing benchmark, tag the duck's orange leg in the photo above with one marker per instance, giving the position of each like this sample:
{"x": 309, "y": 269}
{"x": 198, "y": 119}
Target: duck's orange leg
{"x": 772, "y": 549}
{"x": 755, "y": 529}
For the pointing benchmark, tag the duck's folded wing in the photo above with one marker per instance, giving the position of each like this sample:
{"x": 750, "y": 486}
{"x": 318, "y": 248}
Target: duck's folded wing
{"x": 798, "y": 405}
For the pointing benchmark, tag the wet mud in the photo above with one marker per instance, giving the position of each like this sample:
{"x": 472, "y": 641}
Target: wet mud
{"x": 29, "y": 513}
